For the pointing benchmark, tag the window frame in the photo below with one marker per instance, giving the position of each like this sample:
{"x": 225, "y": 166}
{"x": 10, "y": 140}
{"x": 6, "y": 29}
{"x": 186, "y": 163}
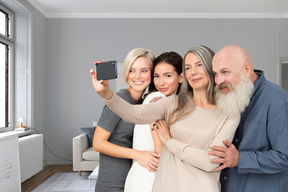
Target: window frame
{"x": 8, "y": 41}
{"x": 6, "y": 63}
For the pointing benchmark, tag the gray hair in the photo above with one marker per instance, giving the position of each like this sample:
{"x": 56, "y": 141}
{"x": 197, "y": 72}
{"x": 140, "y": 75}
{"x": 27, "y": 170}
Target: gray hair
{"x": 205, "y": 54}
{"x": 184, "y": 100}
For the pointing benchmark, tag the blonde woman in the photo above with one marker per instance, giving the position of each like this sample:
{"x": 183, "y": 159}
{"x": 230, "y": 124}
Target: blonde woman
{"x": 113, "y": 136}
{"x": 194, "y": 125}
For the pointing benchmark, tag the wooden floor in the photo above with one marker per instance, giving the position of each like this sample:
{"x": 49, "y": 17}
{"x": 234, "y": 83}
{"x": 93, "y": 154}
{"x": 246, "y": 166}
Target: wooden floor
{"x": 40, "y": 177}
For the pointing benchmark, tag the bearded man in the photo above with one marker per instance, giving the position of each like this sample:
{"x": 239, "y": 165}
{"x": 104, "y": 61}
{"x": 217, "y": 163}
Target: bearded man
{"x": 233, "y": 99}
{"x": 258, "y": 158}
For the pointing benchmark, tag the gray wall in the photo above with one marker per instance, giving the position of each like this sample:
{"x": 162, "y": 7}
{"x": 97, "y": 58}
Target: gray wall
{"x": 39, "y": 95}
{"x": 65, "y": 97}
{"x": 283, "y": 52}
{"x": 283, "y": 37}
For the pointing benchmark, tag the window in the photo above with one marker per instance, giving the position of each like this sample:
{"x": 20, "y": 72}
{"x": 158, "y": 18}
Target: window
{"x": 5, "y": 44}
{"x": 15, "y": 64}
{"x": 4, "y": 85}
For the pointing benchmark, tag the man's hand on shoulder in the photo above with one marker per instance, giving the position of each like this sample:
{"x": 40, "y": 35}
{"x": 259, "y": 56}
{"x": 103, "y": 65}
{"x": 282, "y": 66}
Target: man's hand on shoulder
{"x": 228, "y": 156}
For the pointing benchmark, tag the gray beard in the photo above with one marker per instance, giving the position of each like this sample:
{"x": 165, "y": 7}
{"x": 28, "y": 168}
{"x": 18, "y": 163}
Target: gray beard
{"x": 237, "y": 100}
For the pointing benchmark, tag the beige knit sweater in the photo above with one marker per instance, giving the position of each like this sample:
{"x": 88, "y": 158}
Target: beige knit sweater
{"x": 185, "y": 163}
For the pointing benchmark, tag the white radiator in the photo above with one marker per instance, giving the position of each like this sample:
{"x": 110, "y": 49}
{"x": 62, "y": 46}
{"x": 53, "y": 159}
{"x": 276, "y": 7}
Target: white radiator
{"x": 30, "y": 155}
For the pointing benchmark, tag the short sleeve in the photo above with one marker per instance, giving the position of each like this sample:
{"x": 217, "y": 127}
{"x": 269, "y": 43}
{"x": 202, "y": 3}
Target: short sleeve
{"x": 108, "y": 119}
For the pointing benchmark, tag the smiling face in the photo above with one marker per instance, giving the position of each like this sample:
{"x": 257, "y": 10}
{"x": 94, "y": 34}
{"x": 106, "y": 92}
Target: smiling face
{"x": 166, "y": 79}
{"x": 228, "y": 67}
{"x": 139, "y": 76}
{"x": 226, "y": 77}
{"x": 195, "y": 72}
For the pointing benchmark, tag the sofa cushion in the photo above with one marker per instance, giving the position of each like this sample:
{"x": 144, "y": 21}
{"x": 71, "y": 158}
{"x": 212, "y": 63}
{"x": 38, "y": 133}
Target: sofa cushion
{"x": 89, "y": 131}
{"x": 90, "y": 155}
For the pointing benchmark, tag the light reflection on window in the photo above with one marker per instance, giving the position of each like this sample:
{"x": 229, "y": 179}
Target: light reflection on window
{"x": 3, "y": 23}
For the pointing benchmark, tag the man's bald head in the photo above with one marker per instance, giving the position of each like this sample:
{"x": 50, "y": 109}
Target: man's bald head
{"x": 230, "y": 62}
{"x": 234, "y": 53}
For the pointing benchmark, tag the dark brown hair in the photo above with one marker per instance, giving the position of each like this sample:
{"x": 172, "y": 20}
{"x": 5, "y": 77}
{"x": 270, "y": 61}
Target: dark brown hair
{"x": 171, "y": 58}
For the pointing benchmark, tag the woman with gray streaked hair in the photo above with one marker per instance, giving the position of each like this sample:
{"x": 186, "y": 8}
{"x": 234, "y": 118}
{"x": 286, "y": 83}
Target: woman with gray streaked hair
{"x": 194, "y": 125}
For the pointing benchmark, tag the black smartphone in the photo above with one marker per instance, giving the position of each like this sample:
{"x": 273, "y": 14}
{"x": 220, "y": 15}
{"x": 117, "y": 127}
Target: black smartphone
{"x": 106, "y": 70}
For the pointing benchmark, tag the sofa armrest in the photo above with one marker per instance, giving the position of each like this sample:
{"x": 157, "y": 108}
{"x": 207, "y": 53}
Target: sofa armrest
{"x": 80, "y": 144}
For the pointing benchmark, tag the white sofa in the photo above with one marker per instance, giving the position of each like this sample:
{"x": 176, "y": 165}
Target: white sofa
{"x": 84, "y": 158}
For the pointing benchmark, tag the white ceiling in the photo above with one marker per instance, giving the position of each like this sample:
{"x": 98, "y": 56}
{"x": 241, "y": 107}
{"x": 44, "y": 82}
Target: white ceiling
{"x": 162, "y": 8}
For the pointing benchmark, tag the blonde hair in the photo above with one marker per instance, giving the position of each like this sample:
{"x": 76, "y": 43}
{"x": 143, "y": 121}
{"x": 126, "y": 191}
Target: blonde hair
{"x": 184, "y": 100}
{"x": 132, "y": 56}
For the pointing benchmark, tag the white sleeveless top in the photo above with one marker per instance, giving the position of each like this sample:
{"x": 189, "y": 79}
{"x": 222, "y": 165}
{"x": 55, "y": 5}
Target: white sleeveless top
{"x": 140, "y": 179}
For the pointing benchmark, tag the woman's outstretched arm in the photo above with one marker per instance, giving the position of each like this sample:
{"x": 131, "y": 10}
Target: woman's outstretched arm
{"x": 139, "y": 114}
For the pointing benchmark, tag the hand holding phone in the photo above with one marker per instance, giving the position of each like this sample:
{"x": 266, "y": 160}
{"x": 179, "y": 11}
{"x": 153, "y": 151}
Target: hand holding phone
{"x": 106, "y": 70}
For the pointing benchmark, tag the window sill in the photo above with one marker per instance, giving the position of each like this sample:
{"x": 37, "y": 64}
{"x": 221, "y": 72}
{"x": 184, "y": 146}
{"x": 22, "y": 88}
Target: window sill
{"x": 19, "y": 133}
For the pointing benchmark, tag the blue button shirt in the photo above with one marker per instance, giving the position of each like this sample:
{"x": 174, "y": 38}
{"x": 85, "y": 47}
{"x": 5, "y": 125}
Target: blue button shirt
{"x": 262, "y": 141}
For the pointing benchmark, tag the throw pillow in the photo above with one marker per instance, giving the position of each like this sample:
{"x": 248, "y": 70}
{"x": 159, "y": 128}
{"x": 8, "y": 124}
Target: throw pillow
{"x": 89, "y": 131}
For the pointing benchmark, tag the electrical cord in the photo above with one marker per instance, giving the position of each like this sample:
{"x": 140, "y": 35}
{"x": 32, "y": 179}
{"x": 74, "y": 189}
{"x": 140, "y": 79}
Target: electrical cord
{"x": 51, "y": 150}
